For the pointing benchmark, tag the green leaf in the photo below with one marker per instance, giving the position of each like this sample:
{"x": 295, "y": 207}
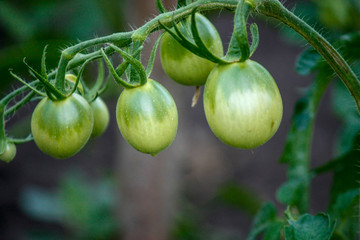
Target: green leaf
{"x": 298, "y": 143}
{"x": 265, "y": 222}
{"x": 345, "y": 109}
{"x": 291, "y": 192}
{"x": 346, "y": 210}
{"x": 343, "y": 206}
{"x": 273, "y": 232}
{"x": 308, "y": 61}
{"x": 239, "y": 197}
{"x": 319, "y": 227}
{"x": 347, "y": 171}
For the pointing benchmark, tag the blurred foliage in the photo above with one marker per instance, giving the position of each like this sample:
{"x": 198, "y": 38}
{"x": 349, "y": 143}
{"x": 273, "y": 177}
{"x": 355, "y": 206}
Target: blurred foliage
{"x": 27, "y": 26}
{"x": 84, "y": 208}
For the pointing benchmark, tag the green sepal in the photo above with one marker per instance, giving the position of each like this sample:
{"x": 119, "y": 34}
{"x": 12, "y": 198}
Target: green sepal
{"x": 22, "y": 102}
{"x": 239, "y": 45}
{"x": 123, "y": 67}
{"x": 200, "y": 44}
{"x": 50, "y": 88}
{"x": 80, "y": 74}
{"x": 113, "y": 72}
{"x": 27, "y": 84}
{"x": 131, "y": 71}
{"x": 43, "y": 64}
{"x": 182, "y": 39}
{"x": 29, "y": 138}
{"x": 150, "y": 65}
{"x": 160, "y": 6}
{"x": 255, "y": 38}
{"x": 240, "y": 31}
{"x": 99, "y": 87}
{"x": 138, "y": 67}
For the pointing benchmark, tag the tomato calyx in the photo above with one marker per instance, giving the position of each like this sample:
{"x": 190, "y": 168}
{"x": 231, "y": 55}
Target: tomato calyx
{"x": 193, "y": 43}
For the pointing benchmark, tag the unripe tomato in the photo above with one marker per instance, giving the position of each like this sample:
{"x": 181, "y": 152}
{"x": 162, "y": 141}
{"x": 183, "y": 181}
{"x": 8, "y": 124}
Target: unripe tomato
{"x": 9, "y": 152}
{"x": 183, "y": 66}
{"x": 242, "y": 104}
{"x": 147, "y": 117}
{"x": 61, "y": 128}
{"x": 101, "y": 116}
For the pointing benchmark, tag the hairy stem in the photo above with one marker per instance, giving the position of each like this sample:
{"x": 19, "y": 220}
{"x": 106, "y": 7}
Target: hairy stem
{"x": 275, "y": 9}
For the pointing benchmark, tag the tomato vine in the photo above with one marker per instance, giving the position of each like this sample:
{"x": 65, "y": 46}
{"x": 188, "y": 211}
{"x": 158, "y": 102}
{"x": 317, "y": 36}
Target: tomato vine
{"x": 147, "y": 114}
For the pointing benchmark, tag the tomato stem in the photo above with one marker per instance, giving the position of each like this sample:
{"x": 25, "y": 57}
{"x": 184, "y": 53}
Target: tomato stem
{"x": 275, "y": 9}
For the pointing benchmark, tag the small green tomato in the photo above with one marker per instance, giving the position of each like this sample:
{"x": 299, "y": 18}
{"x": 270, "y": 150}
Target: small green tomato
{"x": 101, "y": 116}
{"x": 183, "y": 66}
{"x": 9, "y": 152}
{"x": 62, "y": 128}
{"x": 147, "y": 117}
{"x": 242, "y": 104}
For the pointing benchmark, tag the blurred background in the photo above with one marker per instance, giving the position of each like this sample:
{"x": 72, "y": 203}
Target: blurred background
{"x": 198, "y": 188}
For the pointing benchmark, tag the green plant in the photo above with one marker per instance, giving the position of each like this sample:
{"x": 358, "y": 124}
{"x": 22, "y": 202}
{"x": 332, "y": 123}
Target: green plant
{"x": 322, "y": 59}
{"x": 182, "y": 65}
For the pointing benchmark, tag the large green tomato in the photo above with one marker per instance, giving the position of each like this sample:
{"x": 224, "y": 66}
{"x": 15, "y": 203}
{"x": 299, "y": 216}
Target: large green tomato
{"x": 61, "y": 128}
{"x": 8, "y": 153}
{"x": 147, "y": 117}
{"x": 101, "y": 116}
{"x": 183, "y": 66}
{"x": 242, "y": 104}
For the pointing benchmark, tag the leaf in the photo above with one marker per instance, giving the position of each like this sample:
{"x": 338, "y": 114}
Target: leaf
{"x": 308, "y": 61}
{"x": 319, "y": 227}
{"x": 343, "y": 205}
{"x": 345, "y": 109}
{"x": 239, "y": 197}
{"x": 346, "y": 210}
{"x": 297, "y": 147}
{"x": 291, "y": 192}
{"x": 265, "y": 222}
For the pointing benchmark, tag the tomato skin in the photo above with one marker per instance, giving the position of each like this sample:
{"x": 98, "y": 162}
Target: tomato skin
{"x": 101, "y": 116}
{"x": 147, "y": 117}
{"x": 62, "y": 128}
{"x": 242, "y": 104}
{"x": 9, "y": 153}
{"x": 183, "y": 66}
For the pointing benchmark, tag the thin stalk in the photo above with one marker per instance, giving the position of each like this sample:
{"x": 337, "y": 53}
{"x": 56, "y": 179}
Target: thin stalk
{"x": 275, "y": 9}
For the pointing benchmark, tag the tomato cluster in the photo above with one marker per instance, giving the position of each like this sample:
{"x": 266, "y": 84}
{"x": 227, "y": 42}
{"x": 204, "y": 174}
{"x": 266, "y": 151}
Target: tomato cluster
{"x": 242, "y": 104}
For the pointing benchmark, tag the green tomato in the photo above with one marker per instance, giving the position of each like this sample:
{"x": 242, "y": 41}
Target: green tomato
{"x": 9, "y": 152}
{"x": 147, "y": 117}
{"x": 183, "y": 66}
{"x": 242, "y": 104}
{"x": 62, "y": 128}
{"x": 101, "y": 116}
